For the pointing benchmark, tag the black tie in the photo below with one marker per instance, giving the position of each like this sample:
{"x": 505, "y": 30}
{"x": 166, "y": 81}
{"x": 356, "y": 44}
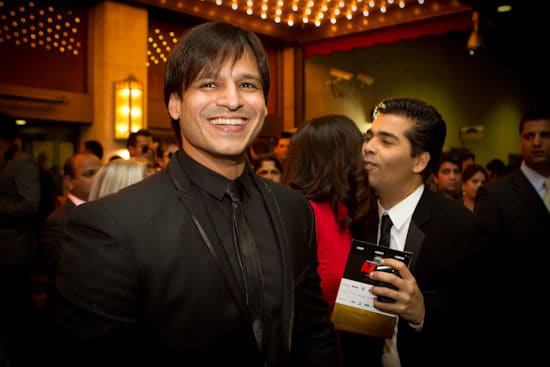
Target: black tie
{"x": 385, "y": 228}
{"x": 249, "y": 261}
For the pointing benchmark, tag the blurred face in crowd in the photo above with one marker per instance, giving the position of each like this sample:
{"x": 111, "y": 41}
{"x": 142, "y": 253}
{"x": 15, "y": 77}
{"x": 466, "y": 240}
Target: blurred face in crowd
{"x": 281, "y": 148}
{"x": 535, "y": 145}
{"x": 145, "y": 148}
{"x": 269, "y": 170}
{"x": 85, "y": 166}
{"x": 166, "y": 155}
{"x": 471, "y": 185}
{"x": 221, "y": 112}
{"x": 448, "y": 178}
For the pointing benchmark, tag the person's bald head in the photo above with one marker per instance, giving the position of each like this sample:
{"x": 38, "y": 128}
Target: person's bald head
{"x": 78, "y": 173}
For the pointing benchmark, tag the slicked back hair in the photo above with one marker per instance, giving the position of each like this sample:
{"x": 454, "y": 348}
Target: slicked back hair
{"x": 428, "y": 130}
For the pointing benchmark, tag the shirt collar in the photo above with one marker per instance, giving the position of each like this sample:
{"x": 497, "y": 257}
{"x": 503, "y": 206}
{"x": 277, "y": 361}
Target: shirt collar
{"x": 210, "y": 181}
{"x": 536, "y": 179}
{"x": 76, "y": 201}
{"x": 403, "y": 211}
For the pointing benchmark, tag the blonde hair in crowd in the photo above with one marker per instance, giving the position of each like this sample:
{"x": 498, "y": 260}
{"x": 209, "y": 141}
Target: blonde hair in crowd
{"x": 118, "y": 174}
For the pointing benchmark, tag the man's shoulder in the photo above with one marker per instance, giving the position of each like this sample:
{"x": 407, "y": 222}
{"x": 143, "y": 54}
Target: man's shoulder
{"x": 148, "y": 193}
{"x": 61, "y": 212}
{"x": 507, "y": 181}
{"x": 444, "y": 208}
{"x": 505, "y": 188}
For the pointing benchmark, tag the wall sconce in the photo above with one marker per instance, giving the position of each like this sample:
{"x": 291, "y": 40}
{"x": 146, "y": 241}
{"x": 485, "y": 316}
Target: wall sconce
{"x": 128, "y": 107}
{"x": 355, "y": 80}
{"x": 340, "y": 74}
{"x": 365, "y": 79}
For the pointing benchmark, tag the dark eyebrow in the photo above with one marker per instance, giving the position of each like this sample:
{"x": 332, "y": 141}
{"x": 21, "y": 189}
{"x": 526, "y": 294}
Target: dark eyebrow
{"x": 382, "y": 133}
{"x": 388, "y": 135}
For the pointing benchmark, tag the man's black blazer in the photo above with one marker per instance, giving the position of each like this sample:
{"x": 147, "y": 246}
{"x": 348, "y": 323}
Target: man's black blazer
{"x": 146, "y": 279}
{"x": 448, "y": 245}
{"x": 516, "y": 210}
{"x": 521, "y": 224}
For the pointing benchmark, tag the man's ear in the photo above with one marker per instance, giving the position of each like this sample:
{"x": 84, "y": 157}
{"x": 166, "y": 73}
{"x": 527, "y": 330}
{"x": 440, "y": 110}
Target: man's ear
{"x": 174, "y": 106}
{"x": 68, "y": 180}
{"x": 421, "y": 162}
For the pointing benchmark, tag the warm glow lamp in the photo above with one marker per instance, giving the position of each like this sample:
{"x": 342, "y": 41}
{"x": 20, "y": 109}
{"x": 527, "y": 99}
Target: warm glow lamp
{"x": 128, "y": 107}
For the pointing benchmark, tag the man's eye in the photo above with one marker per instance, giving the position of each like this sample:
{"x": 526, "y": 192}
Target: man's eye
{"x": 208, "y": 85}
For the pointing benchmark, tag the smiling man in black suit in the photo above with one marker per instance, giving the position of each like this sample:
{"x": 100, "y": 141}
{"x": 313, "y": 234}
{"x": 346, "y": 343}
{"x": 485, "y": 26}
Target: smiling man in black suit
{"x": 152, "y": 276}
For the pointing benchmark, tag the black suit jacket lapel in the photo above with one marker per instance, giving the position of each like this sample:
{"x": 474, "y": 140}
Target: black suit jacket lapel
{"x": 529, "y": 195}
{"x": 415, "y": 235}
{"x": 197, "y": 212}
{"x": 287, "y": 309}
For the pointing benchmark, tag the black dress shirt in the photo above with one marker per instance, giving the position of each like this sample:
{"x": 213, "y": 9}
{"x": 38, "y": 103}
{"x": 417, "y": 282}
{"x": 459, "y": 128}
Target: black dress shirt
{"x": 212, "y": 187}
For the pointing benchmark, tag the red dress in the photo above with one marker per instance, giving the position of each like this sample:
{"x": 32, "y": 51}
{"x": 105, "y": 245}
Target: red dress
{"x": 333, "y": 247}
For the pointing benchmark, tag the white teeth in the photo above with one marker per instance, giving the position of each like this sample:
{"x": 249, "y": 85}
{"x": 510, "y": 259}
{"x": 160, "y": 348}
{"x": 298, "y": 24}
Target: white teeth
{"x": 227, "y": 121}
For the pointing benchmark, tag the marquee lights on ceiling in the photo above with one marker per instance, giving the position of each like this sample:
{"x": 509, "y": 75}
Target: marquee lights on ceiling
{"x": 315, "y": 12}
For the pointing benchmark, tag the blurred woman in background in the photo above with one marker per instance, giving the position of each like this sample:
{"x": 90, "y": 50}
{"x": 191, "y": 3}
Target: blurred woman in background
{"x": 118, "y": 174}
{"x": 472, "y": 178}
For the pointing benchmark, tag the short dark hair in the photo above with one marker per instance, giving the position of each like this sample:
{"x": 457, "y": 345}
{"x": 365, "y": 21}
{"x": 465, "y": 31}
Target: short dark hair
{"x": 94, "y": 147}
{"x": 496, "y": 165}
{"x": 132, "y": 138}
{"x": 428, "y": 131}
{"x": 540, "y": 114}
{"x": 447, "y": 157}
{"x": 467, "y": 155}
{"x": 204, "y": 49}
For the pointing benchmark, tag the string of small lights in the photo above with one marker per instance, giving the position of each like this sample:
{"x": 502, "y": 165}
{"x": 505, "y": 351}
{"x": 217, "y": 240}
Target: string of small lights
{"x": 35, "y": 24}
{"x": 40, "y": 26}
{"x": 314, "y": 12}
{"x": 159, "y": 45}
